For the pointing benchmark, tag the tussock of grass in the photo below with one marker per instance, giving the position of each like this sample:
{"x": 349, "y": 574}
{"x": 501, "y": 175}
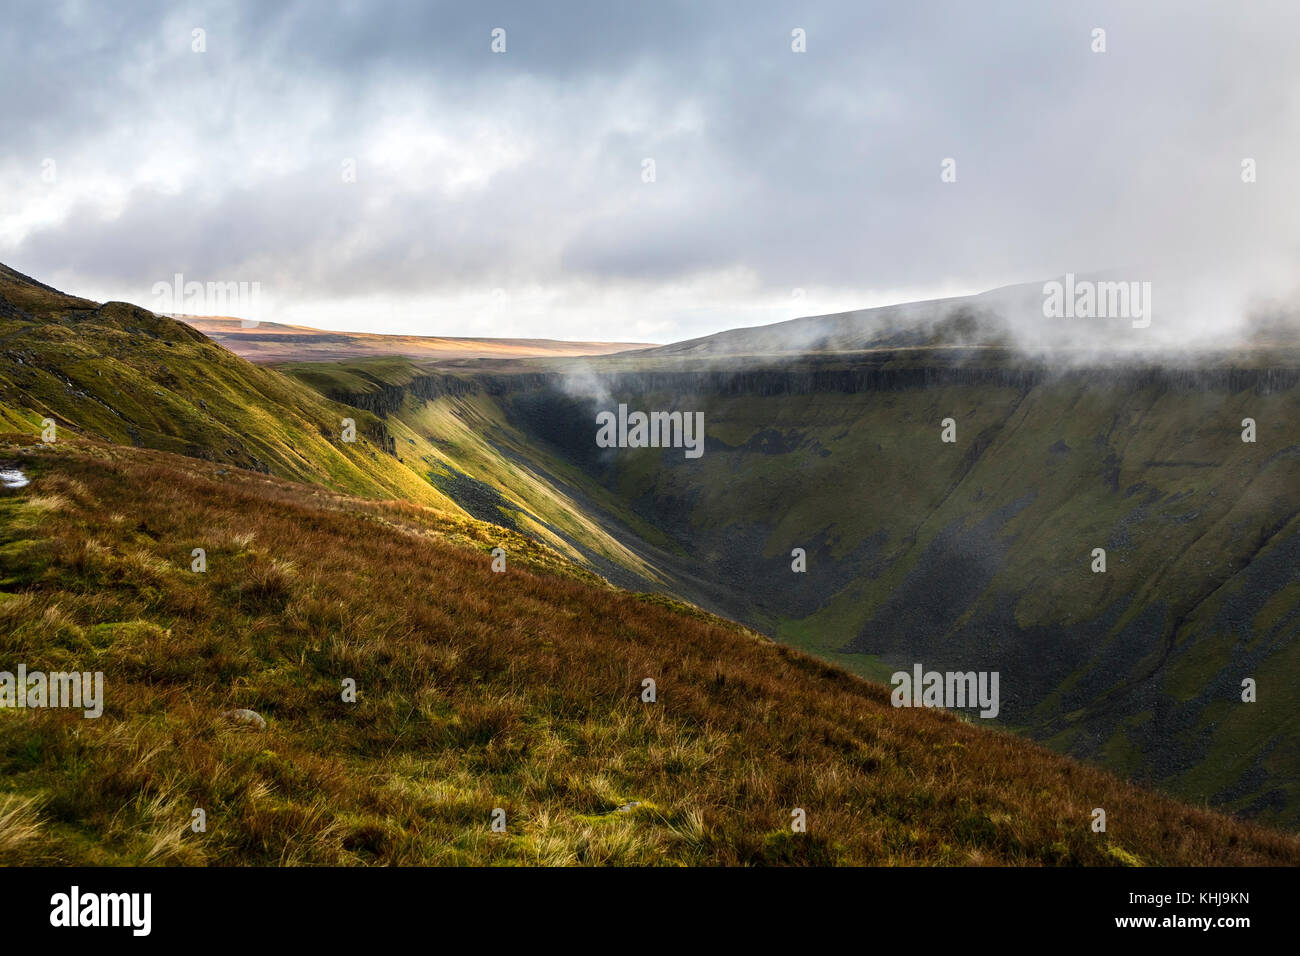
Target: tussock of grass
{"x": 19, "y": 824}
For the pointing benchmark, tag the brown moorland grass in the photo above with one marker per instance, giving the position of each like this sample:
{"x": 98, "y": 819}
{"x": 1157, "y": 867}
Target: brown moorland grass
{"x": 475, "y": 691}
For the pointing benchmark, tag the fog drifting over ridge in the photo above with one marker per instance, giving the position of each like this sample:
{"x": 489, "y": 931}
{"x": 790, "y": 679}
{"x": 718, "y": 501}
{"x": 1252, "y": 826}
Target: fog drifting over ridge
{"x": 502, "y": 194}
{"x": 1073, "y": 319}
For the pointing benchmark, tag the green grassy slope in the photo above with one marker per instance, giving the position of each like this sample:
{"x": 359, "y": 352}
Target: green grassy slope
{"x": 121, "y": 373}
{"x": 492, "y": 465}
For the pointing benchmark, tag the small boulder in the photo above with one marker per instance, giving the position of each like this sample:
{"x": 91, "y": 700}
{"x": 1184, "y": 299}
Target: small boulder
{"x": 245, "y": 718}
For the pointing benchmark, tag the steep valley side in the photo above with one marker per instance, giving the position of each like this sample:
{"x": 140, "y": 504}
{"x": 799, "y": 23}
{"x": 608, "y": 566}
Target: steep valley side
{"x": 970, "y": 555}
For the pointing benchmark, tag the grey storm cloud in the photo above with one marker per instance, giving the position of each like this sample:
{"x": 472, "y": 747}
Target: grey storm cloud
{"x": 774, "y": 170}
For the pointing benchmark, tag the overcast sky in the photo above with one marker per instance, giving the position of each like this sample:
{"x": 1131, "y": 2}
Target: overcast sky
{"x": 504, "y": 194}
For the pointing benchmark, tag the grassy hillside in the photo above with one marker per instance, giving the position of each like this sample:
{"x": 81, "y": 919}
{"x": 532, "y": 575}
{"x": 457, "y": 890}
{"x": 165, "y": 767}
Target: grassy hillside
{"x": 476, "y": 691}
{"x": 121, "y": 373}
{"x": 493, "y": 467}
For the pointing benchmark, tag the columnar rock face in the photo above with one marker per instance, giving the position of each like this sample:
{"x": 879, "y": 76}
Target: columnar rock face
{"x": 386, "y": 399}
{"x": 941, "y": 370}
{"x": 975, "y": 554}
